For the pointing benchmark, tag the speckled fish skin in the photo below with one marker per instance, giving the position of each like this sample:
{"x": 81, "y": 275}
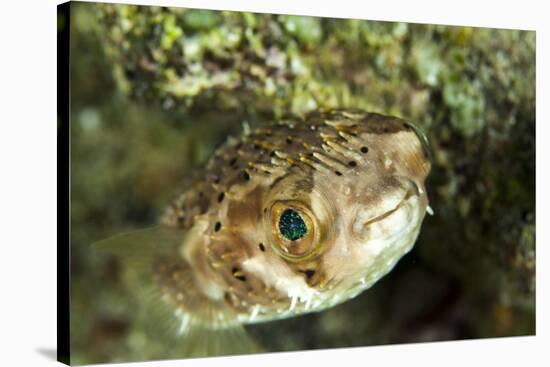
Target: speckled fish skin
{"x": 357, "y": 177}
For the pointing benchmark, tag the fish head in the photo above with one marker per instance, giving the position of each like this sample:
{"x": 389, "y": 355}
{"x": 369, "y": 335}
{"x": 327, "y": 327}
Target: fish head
{"x": 342, "y": 232}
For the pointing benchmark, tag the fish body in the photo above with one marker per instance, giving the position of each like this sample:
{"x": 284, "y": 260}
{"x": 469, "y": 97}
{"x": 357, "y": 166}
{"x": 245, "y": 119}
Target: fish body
{"x": 292, "y": 218}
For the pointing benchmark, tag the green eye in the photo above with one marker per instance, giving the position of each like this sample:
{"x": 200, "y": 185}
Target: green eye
{"x": 293, "y": 231}
{"x": 291, "y": 225}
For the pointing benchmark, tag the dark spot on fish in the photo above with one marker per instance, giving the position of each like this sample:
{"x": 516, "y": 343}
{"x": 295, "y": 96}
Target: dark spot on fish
{"x": 385, "y": 130}
{"x": 233, "y": 161}
{"x": 262, "y": 247}
{"x": 201, "y": 194}
{"x": 257, "y": 147}
{"x": 309, "y": 273}
{"x": 338, "y": 173}
{"x": 288, "y": 140}
{"x": 246, "y": 176}
{"x": 364, "y": 150}
{"x": 265, "y": 210}
{"x": 242, "y": 278}
{"x": 352, "y": 163}
{"x": 217, "y": 226}
{"x": 220, "y": 197}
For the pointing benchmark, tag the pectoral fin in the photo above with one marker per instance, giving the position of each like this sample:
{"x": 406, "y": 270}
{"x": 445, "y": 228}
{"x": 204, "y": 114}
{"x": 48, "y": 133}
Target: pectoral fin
{"x": 171, "y": 304}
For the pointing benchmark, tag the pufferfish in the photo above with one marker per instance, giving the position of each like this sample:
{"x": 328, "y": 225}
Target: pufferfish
{"x": 291, "y": 218}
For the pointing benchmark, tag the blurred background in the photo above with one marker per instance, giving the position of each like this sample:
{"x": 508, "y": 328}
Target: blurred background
{"x": 155, "y": 90}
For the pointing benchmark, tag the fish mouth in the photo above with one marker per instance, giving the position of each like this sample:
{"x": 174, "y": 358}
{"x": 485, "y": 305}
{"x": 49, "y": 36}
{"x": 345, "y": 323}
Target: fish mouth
{"x": 410, "y": 191}
{"x": 391, "y": 215}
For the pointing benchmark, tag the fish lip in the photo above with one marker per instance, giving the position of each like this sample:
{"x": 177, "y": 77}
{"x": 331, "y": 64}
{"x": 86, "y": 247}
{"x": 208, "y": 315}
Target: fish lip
{"x": 411, "y": 192}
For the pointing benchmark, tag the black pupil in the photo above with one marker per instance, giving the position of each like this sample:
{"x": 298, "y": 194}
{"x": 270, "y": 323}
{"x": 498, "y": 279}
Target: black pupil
{"x": 291, "y": 225}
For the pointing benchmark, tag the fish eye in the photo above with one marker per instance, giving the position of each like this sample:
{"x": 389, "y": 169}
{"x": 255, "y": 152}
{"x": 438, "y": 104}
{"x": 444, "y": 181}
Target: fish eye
{"x": 293, "y": 230}
{"x": 291, "y": 225}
